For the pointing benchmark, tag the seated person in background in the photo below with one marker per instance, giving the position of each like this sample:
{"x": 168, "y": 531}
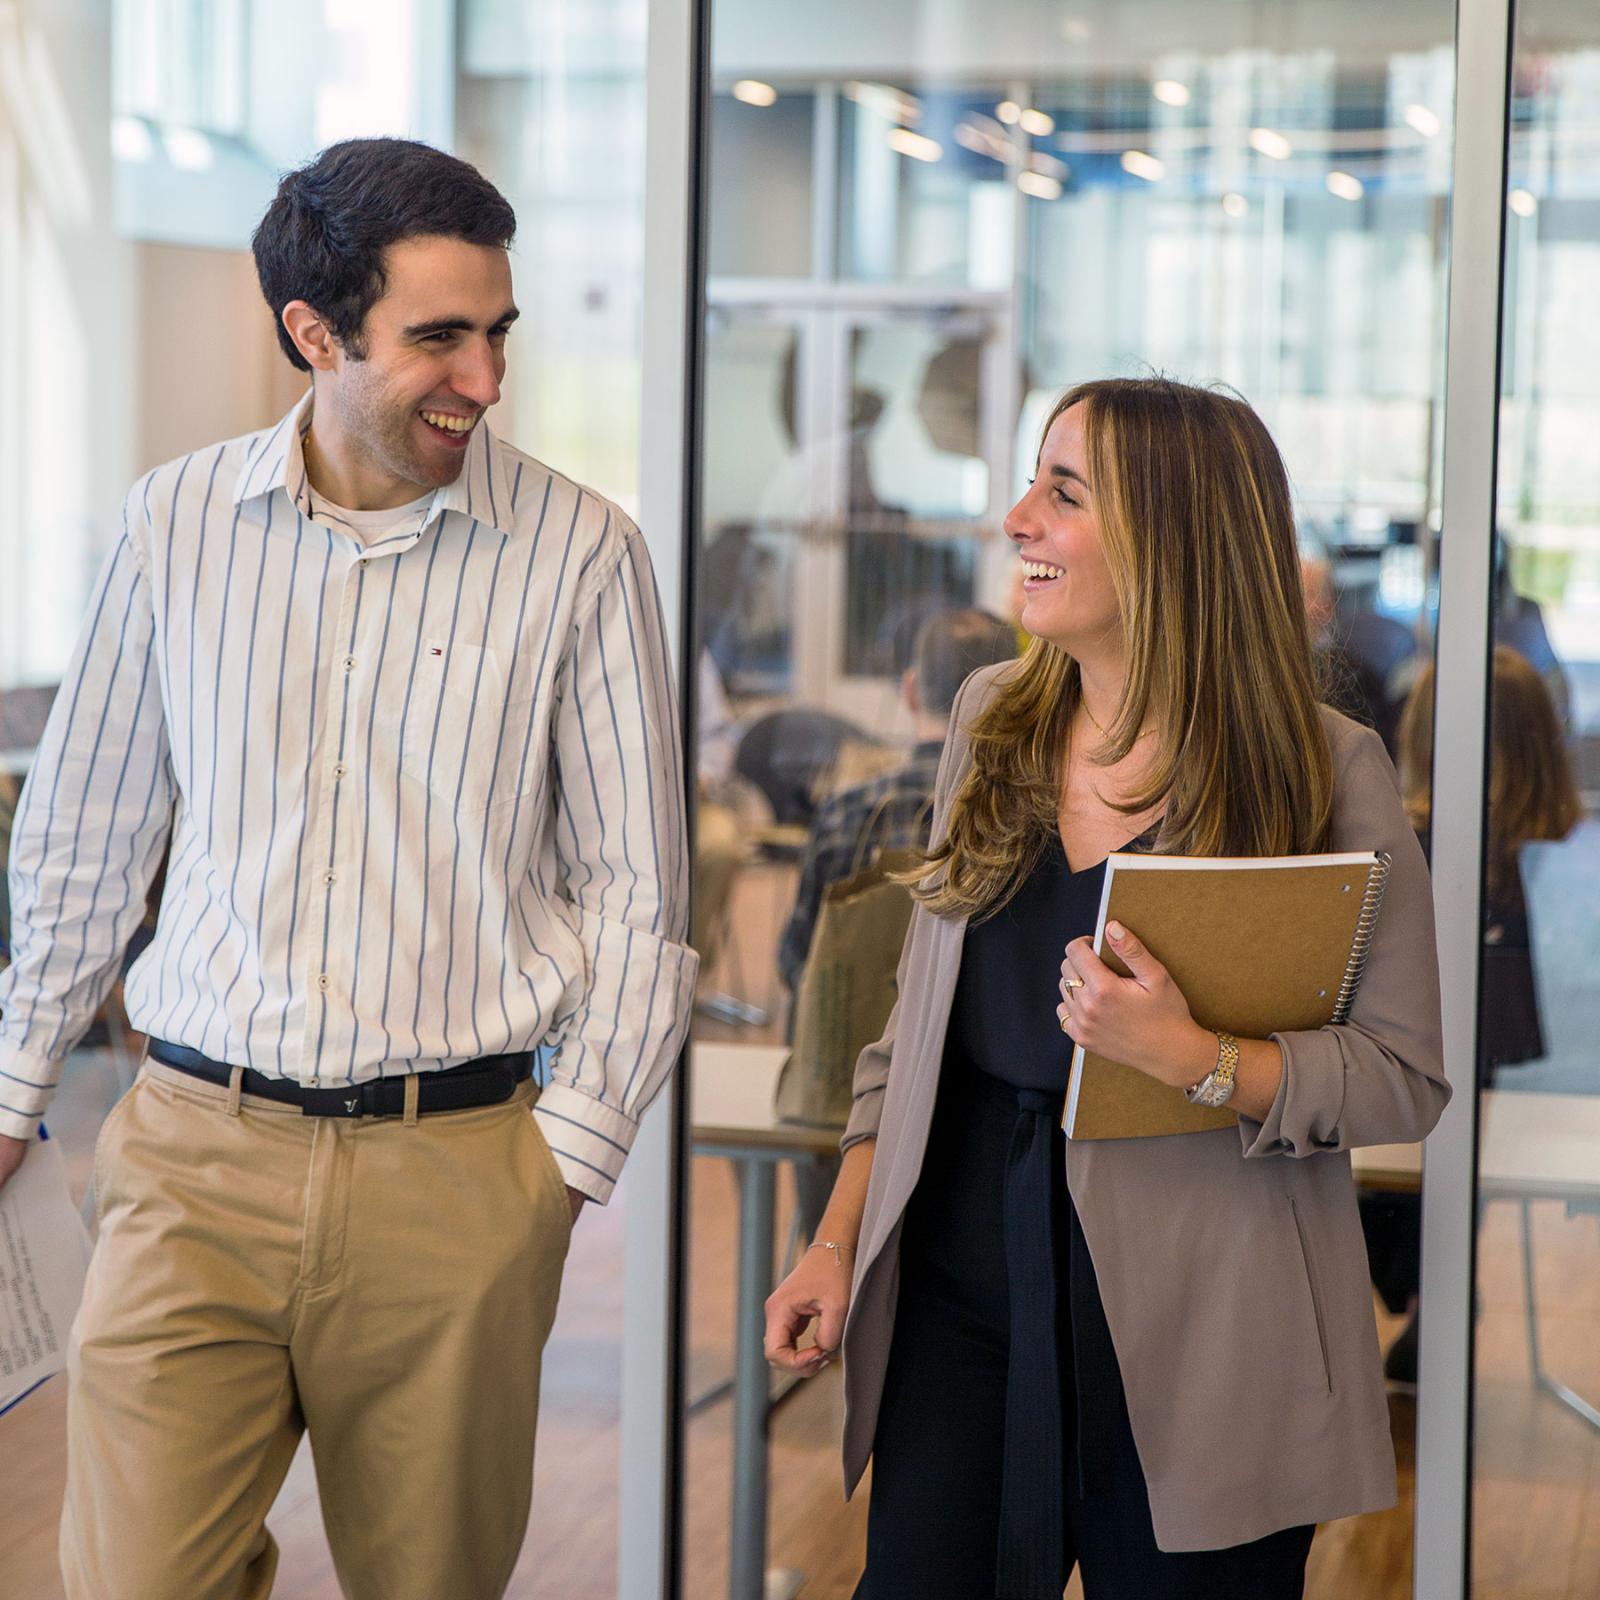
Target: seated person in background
{"x": 1365, "y": 662}
{"x": 1532, "y": 795}
{"x": 949, "y": 646}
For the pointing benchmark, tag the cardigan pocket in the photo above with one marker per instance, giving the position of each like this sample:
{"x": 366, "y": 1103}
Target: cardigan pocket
{"x": 1308, "y": 1262}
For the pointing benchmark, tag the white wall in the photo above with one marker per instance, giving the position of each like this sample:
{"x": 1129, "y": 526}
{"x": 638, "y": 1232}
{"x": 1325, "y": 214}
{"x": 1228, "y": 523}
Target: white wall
{"x": 66, "y": 328}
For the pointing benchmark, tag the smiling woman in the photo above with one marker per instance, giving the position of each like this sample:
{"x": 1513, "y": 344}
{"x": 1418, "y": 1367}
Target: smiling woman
{"x": 1173, "y": 605}
{"x": 1166, "y": 703}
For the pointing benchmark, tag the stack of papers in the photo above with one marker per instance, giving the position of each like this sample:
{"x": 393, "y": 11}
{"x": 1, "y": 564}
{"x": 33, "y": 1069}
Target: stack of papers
{"x": 44, "y": 1258}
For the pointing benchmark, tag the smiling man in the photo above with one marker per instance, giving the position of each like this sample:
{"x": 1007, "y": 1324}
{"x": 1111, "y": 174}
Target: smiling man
{"x": 395, "y": 699}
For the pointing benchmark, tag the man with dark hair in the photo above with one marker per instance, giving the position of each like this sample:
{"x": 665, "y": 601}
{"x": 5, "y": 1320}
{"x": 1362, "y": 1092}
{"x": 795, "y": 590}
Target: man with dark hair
{"x": 893, "y": 809}
{"x": 399, "y": 698}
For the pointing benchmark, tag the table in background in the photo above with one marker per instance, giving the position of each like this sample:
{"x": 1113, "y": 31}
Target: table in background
{"x": 731, "y": 1093}
{"x": 1530, "y": 1147}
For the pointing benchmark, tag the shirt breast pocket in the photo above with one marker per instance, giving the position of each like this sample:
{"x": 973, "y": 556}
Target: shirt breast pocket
{"x": 466, "y": 733}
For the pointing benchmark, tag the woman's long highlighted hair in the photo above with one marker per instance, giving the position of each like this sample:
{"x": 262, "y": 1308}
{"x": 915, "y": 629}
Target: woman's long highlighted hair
{"x": 1198, "y": 532}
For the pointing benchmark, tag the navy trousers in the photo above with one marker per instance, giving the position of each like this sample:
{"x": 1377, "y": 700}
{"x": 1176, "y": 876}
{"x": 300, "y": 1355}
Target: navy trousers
{"x": 933, "y": 1527}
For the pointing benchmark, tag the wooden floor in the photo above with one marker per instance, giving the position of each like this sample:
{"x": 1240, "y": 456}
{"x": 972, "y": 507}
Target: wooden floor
{"x": 1536, "y": 1506}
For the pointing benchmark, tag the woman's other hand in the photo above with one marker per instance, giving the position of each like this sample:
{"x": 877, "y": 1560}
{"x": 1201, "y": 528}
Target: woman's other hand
{"x": 817, "y": 1290}
{"x": 1142, "y": 1021}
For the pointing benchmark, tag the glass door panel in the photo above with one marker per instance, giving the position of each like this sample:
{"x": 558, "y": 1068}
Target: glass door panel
{"x": 1003, "y": 201}
{"x": 1536, "y": 1363}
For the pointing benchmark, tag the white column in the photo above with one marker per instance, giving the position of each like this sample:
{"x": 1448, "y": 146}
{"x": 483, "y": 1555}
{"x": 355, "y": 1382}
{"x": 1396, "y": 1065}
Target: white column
{"x": 673, "y": 320}
{"x": 1466, "y": 550}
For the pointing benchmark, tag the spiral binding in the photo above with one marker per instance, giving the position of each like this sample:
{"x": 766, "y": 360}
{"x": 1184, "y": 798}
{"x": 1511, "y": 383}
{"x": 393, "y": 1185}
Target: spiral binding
{"x": 1371, "y": 900}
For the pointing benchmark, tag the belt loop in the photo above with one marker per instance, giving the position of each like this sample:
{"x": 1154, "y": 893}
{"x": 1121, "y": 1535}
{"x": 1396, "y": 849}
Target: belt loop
{"x": 235, "y": 1089}
{"x": 413, "y": 1084}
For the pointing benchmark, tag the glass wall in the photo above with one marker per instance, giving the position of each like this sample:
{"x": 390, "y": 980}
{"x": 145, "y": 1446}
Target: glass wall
{"x": 139, "y": 143}
{"x": 1536, "y": 1367}
{"x": 925, "y": 221}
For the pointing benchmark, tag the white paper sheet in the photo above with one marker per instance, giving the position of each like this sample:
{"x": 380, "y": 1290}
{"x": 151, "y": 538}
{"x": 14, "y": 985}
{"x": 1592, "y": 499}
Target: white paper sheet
{"x": 44, "y": 1256}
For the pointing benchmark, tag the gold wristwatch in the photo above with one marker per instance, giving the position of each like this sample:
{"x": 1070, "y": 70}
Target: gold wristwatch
{"x": 1216, "y": 1088}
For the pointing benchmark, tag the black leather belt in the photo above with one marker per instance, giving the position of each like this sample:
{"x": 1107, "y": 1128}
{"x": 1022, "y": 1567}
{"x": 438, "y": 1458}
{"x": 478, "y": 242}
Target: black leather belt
{"x": 488, "y": 1081}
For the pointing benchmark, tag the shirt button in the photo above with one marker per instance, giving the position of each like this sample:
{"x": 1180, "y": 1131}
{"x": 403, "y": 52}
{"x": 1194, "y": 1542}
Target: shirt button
{"x": 330, "y": 877}
{"x": 349, "y": 663}
{"x": 339, "y": 770}
{"x": 324, "y": 982}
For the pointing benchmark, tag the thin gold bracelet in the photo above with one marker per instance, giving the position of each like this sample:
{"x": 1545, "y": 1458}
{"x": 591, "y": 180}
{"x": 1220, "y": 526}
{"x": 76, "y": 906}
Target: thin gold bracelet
{"x": 828, "y": 1244}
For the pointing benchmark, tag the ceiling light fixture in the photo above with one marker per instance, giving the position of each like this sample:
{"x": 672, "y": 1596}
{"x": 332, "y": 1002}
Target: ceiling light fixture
{"x": 916, "y": 145}
{"x": 754, "y": 93}
{"x": 1425, "y": 122}
{"x": 1170, "y": 92}
{"x": 1271, "y": 144}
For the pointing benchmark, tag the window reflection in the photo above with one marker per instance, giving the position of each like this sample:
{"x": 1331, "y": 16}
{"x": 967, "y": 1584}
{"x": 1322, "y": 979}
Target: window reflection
{"x": 1536, "y": 1374}
{"x": 1226, "y": 204}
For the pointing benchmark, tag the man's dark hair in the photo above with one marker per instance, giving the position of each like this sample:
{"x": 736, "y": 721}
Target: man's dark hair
{"x": 322, "y": 240}
{"x": 951, "y": 645}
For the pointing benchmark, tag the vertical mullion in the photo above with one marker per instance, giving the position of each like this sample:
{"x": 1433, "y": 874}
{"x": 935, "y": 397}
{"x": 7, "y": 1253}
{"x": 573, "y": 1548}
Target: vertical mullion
{"x": 650, "y": 1516}
{"x": 1466, "y": 551}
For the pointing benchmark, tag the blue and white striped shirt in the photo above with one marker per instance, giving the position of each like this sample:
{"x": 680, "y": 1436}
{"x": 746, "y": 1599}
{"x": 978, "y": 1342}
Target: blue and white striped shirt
{"x": 424, "y": 795}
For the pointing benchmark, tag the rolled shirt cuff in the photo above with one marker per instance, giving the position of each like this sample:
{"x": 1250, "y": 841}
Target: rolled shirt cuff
{"x": 589, "y": 1139}
{"x": 27, "y": 1083}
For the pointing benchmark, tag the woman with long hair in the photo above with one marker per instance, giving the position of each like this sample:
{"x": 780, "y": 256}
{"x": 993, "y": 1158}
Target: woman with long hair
{"x": 1154, "y": 1359}
{"x": 1532, "y": 795}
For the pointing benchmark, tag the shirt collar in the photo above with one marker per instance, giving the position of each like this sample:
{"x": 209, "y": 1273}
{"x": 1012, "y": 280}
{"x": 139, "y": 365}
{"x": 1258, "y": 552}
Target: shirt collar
{"x": 275, "y": 459}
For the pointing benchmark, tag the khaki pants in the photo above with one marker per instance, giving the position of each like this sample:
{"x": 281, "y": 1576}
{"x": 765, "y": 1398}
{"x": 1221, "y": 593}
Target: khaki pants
{"x": 386, "y": 1284}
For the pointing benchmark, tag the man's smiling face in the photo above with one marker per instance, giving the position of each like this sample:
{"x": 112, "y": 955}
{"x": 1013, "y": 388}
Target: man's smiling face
{"x": 433, "y": 360}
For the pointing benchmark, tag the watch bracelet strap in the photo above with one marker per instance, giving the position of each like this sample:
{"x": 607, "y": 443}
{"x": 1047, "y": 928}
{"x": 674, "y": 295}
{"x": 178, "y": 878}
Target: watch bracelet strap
{"x": 1216, "y": 1088}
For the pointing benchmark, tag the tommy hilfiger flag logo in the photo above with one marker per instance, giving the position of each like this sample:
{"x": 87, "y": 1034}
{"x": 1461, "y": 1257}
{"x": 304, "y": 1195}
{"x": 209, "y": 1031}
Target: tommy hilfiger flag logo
{"x": 435, "y": 649}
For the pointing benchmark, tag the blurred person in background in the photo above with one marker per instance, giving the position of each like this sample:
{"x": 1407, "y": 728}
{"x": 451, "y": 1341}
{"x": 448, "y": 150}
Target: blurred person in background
{"x": 1532, "y": 795}
{"x": 890, "y": 812}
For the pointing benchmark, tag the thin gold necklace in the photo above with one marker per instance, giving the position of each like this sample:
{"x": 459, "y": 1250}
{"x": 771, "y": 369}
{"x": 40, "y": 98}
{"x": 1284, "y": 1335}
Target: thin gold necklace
{"x": 1101, "y": 731}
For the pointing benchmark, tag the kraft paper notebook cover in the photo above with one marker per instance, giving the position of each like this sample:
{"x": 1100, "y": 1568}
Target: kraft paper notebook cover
{"x": 1257, "y": 945}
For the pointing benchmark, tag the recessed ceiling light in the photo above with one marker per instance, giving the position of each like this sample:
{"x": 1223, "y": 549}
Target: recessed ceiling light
{"x": 754, "y": 93}
{"x": 1039, "y": 185}
{"x": 1346, "y": 185}
{"x": 916, "y": 145}
{"x": 1170, "y": 92}
{"x": 1522, "y": 202}
{"x": 1426, "y": 122}
{"x": 1271, "y": 143}
{"x": 1142, "y": 165}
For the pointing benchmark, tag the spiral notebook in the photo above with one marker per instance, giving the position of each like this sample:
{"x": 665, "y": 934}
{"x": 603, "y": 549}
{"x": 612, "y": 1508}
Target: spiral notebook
{"x": 1258, "y": 945}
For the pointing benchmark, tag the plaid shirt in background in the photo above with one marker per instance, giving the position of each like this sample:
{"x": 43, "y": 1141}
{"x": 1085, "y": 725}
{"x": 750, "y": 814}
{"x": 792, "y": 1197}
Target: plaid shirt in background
{"x": 895, "y": 806}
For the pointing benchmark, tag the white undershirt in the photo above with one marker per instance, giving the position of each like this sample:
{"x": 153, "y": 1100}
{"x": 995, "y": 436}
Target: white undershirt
{"x": 369, "y": 527}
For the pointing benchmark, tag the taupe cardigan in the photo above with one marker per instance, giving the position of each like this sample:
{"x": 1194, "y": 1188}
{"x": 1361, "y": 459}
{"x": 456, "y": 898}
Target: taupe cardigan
{"x": 1232, "y": 1267}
